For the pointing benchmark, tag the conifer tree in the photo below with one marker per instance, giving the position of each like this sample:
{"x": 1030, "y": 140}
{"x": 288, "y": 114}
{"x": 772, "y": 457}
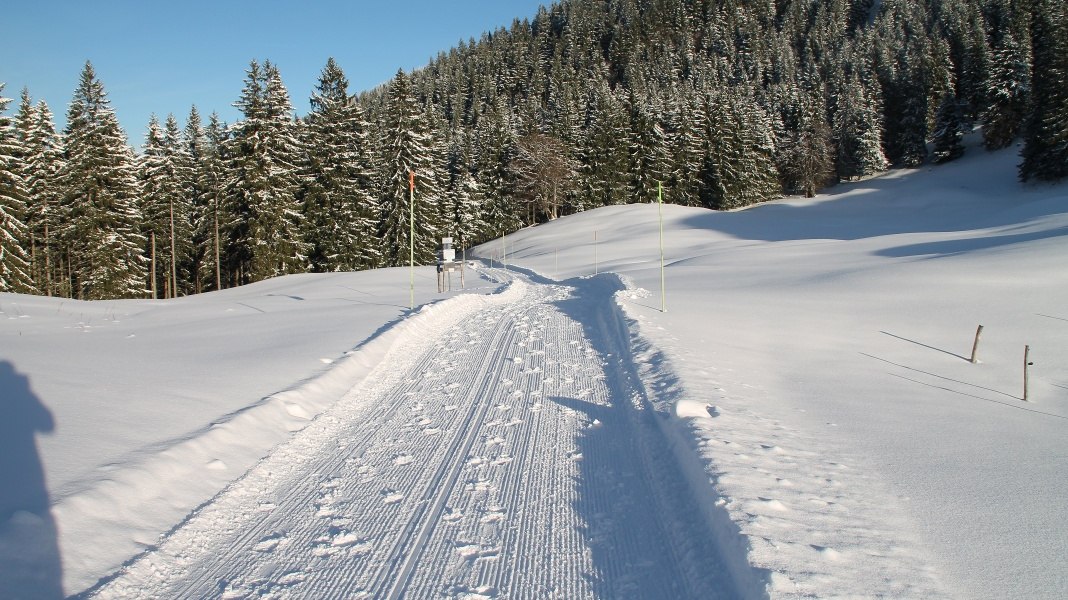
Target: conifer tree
{"x": 739, "y": 167}
{"x": 468, "y": 196}
{"x": 166, "y": 193}
{"x": 157, "y": 192}
{"x": 101, "y": 242}
{"x": 212, "y": 217}
{"x": 1008, "y": 83}
{"x": 687, "y": 140}
{"x": 266, "y": 222}
{"x": 1045, "y": 151}
{"x": 648, "y": 148}
{"x": 858, "y": 133}
{"x": 183, "y": 174}
{"x": 496, "y": 146}
{"x": 15, "y": 270}
{"x": 42, "y": 159}
{"x": 949, "y": 131}
{"x": 194, "y": 154}
{"x": 340, "y": 207}
{"x": 605, "y": 152}
{"x": 405, "y": 147}
{"x": 807, "y": 158}
{"x": 469, "y": 201}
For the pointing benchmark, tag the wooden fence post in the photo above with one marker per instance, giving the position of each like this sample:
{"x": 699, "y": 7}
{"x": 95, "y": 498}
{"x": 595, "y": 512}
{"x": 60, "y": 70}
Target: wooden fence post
{"x": 975, "y": 346}
{"x": 1027, "y": 363}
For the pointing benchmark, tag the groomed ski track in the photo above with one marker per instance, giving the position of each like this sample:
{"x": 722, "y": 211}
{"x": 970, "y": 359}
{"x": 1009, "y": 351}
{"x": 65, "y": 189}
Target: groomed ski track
{"x": 511, "y": 455}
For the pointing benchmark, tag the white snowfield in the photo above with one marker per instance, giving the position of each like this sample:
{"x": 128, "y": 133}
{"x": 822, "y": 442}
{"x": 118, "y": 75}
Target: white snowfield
{"x": 503, "y": 449}
{"x": 802, "y": 421}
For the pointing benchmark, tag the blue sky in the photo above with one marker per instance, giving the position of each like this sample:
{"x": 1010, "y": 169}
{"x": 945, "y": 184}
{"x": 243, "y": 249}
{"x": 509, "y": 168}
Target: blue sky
{"x": 163, "y": 57}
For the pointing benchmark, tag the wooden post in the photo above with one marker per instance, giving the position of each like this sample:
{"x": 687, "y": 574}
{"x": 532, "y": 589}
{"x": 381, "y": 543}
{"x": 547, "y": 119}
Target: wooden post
{"x": 1027, "y": 363}
{"x": 595, "y": 262}
{"x": 660, "y": 213}
{"x": 975, "y": 346}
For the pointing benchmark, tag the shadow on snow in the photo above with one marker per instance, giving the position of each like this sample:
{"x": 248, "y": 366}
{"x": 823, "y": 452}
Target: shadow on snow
{"x": 644, "y": 522}
{"x": 29, "y": 553}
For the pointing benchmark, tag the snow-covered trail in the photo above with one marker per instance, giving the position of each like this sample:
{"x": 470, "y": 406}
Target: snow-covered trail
{"x": 513, "y": 457}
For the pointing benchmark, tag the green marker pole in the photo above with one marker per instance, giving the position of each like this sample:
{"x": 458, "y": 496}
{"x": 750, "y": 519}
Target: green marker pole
{"x": 660, "y": 210}
{"x": 411, "y": 238}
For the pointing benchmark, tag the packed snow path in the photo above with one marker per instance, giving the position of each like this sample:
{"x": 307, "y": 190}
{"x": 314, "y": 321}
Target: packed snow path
{"x": 513, "y": 456}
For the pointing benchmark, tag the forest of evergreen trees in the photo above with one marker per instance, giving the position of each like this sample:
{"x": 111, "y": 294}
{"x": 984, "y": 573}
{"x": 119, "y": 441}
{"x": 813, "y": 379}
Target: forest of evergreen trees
{"x": 590, "y": 103}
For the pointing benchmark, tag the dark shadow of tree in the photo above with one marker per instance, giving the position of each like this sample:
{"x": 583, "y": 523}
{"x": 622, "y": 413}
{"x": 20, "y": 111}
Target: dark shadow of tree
{"x": 30, "y": 566}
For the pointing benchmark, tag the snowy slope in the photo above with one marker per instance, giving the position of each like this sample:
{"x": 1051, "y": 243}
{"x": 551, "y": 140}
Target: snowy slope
{"x": 811, "y": 365}
{"x": 817, "y": 350}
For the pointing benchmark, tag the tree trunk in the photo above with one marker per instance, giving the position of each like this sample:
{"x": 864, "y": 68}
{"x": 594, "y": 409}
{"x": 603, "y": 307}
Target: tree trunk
{"x": 48, "y": 263}
{"x": 174, "y": 258}
{"x": 152, "y": 278}
{"x": 218, "y": 267}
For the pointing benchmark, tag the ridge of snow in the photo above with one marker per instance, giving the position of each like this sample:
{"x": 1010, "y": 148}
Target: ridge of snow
{"x": 126, "y": 512}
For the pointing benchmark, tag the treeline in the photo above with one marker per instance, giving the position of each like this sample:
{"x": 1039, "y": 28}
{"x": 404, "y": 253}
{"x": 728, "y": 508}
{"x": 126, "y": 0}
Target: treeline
{"x": 590, "y": 103}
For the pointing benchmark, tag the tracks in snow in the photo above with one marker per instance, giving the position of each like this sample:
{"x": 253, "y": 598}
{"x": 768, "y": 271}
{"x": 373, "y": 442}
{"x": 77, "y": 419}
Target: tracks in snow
{"x": 511, "y": 457}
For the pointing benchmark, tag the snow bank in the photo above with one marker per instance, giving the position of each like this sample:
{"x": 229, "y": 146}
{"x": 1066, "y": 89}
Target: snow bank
{"x": 106, "y": 522}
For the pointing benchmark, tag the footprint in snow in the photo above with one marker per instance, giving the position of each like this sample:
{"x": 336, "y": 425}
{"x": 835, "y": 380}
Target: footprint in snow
{"x": 492, "y": 517}
{"x": 773, "y": 504}
{"x": 291, "y": 579}
{"x": 270, "y": 543}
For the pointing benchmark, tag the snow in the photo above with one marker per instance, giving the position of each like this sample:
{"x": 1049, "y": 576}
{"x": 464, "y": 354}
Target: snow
{"x": 803, "y": 420}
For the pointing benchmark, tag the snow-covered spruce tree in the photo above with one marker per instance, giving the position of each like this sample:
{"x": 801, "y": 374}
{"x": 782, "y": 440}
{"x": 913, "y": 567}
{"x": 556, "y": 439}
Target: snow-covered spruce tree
{"x": 496, "y": 146}
{"x": 183, "y": 173}
{"x": 265, "y": 224}
{"x": 15, "y": 269}
{"x": 340, "y": 208}
{"x": 949, "y": 131}
{"x": 605, "y": 154}
{"x": 905, "y": 64}
{"x": 1045, "y": 151}
{"x": 686, "y": 135}
{"x": 166, "y": 206}
{"x": 649, "y": 154}
{"x": 739, "y": 165}
{"x": 211, "y": 218}
{"x": 806, "y": 156}
{"x": 193, "y": 155}
{"x": 406, "y": 146}
{"x": 469, "y": 200}
{"x": 43, "y": 161}
{"x": 467, "y": 195}
{"x": 155, "y": 190}
{"x": 858, "y": 133}
{"x": 444, "y": 208}
{"x": 100, "y": 241}
{"x": 1008, "y": 87}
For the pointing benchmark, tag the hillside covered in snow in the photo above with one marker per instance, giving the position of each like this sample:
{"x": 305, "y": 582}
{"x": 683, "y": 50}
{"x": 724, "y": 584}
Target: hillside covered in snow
{"x": 802, "y": 420}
